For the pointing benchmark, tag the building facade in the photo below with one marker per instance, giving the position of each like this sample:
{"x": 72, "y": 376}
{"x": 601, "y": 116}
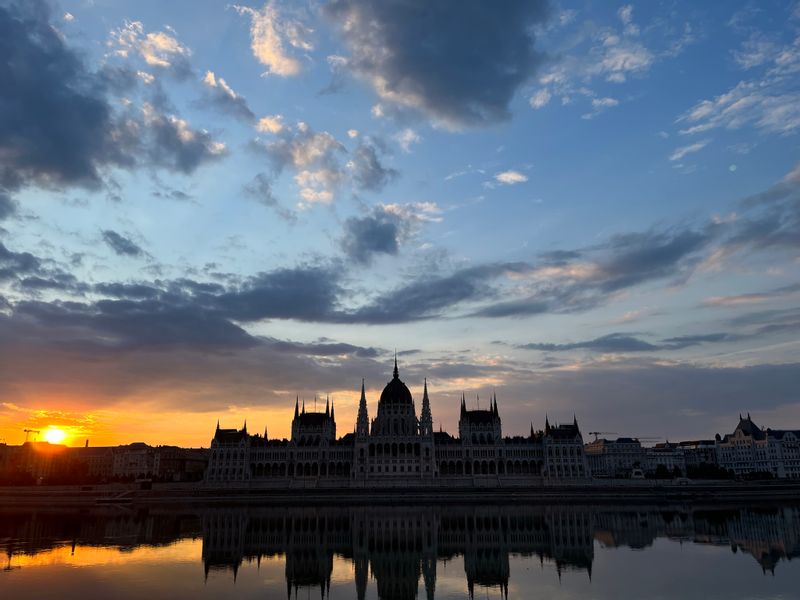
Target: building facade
{"x": 752, "y": 450}
{"x": 615, "y": 458}
{"x": 397, "y": 448}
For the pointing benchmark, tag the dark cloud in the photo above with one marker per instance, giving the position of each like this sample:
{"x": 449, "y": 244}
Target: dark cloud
{"x": 55, "y": 280}
{"x": 172, "y": 144}
{"x": 427, "y": 297}
{"x": 122, "y": 245}
{"x": 459, "y": 66}
{"x": 368, "y": 172}
{"x": 59, "y": 127}
{"x": 322, "y": 348}
{"x": 627, "y": 343}
{"x": 14, "y": 264}
{"x": 584, "y": 278}
{"x": 260, "y": 189}
{"x": 613, "y": 342}
{"x": 7, "y": 206}
{"x": 307, "y": 293}
{"x": 135, "y": 291}
{"x": 56, "y": 122}
{"x": 684, "y": 341}
{"x": 633, "y": 258}
{"x": 365, "y": 237}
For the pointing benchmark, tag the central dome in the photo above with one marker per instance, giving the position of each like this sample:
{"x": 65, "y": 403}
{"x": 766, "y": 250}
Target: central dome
{"x": 396, "y": 391}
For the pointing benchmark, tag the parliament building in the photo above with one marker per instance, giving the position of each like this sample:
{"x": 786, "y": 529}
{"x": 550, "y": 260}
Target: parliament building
{"x": 397, "y": 448}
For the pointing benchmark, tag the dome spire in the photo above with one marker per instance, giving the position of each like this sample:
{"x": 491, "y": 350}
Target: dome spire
{"x": 396, "y": 373}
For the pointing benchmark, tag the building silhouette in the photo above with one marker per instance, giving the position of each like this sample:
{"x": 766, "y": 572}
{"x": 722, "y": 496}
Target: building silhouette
{"x": 397, "y": 448}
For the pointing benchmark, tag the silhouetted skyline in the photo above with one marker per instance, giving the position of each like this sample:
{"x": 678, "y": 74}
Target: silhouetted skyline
{"x": 207, "y": 210}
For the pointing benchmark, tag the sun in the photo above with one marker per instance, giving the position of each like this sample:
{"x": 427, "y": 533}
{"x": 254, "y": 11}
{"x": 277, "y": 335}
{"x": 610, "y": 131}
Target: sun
{"x": 54, "y": 435}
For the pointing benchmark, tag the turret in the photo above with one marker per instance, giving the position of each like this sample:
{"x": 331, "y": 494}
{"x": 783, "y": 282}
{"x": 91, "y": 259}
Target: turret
{"x": 362, "y": 422}
{"x": 426, "y": 418}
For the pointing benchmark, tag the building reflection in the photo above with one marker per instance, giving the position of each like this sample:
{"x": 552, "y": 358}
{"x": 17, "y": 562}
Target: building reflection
{"x": 399, "y": 548}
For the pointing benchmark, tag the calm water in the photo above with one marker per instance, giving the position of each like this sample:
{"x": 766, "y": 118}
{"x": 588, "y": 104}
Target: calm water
{"x": 402, "y": 552}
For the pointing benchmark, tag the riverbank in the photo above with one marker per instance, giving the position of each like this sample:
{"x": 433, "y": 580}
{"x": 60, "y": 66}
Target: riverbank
{"x": 605, "y": 492}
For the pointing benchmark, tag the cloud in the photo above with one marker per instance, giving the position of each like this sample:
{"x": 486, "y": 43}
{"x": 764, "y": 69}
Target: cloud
{"x": 768, "y": 102}
{"x": 8, "y": 207}
{"x": 365, "y": 237}
{"x": 459, "y": 68}
{"x": 613, "y": 342}
{"x": 599, "y": 105}
{"x": 385, "y": 229}
{"x": 56, "y": 126}
{"x": 220, "y": 95}
{"x": 60, "y": 127}
{"x": 368, "y": 171}
{"x": 269, "y": 36}
{"x": 13, "y": 264}
{"x": 406, "y": 137}
{"x": 121, "y": 245}
{"x": 540, "y": 99}
{"x": 612, "y": 52}
{"x": 260, "y": 189}
{"x": 158, "y": 49}
{"x": 172, "y": 143}
{"x": 510, "y": 177}
{"x": 679, "y": 153}
{"x": 315, "y": 158}
{"x": 306, "y": 293}
{"x": 752, "y": 298}
{"x": 271, "y": 124}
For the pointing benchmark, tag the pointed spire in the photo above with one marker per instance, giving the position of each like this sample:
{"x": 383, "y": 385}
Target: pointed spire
{"x": 266, "y": 437}
{"x": 327, "y": 405}
{"x": 546, "y": 424}
{"x": 425, "y": 417}
{"x": 304, "y": 406}
{"x": 296, "y": 406}
{"x": 244, "y": 427}
{"x": 531, "y": 429}
{"x": 362, "y": 421}
{"x": 217, "y": 424}
{"x": 396, "y": 373}
{"x": 331, "y": 410}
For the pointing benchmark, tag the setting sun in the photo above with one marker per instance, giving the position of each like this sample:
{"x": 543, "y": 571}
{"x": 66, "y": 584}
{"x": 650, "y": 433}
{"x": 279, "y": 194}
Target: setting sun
{"x": 54, "y": 435}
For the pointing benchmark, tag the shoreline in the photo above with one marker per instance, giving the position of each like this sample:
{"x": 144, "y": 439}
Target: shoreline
{"x": 622, "y": 492}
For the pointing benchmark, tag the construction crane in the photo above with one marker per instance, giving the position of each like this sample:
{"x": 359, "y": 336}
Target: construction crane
{"x": 30, "y": 431}
{"x": 596, "y": 433}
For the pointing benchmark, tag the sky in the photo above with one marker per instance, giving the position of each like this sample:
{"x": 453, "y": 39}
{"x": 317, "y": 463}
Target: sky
{"x": 209, "y": 209}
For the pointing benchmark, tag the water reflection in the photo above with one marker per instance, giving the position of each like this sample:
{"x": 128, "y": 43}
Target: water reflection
{"x": 399, "y": 548}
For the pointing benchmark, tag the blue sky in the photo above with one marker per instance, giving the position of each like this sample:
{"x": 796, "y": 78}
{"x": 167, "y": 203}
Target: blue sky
{"x": 206, "y": 209}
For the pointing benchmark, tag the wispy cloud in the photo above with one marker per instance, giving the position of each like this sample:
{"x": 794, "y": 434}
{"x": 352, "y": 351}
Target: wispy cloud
{"x": 510, "y": 177}
{"x": 679, "y": 153}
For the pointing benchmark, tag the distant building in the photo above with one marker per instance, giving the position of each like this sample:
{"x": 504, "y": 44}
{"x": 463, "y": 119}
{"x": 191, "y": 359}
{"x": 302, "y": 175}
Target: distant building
{"x": 615, "y": 458}
{"x": 752, "y": 450}
{"x": 397, "y": 448}
{"x": 698, "y": 453}
{"x": 667, "y": 455}
{"x": 170, "y": 463}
